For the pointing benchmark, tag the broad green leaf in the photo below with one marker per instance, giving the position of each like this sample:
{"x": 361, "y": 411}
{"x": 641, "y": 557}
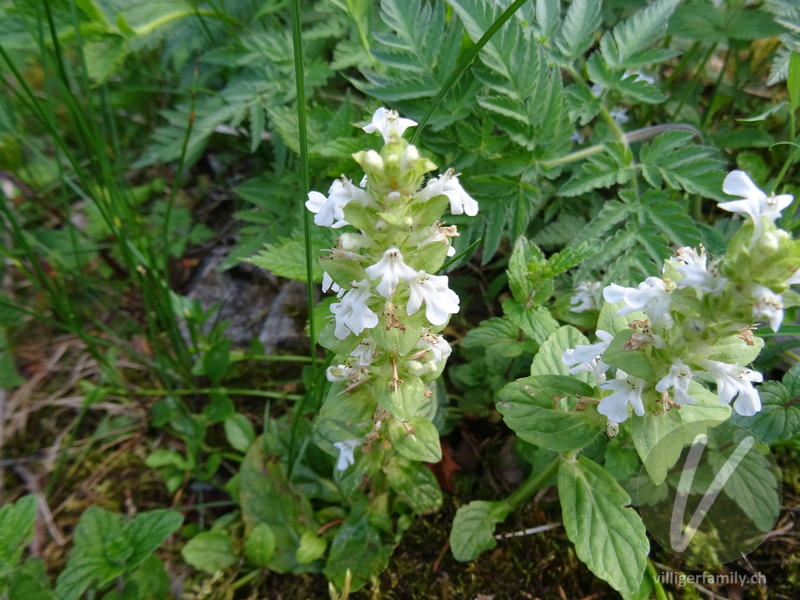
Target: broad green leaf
{"x": 239, "y": 432}
{"x": 355, "y": 406}
{"x": 609, "y": 320}
{"x": 735, "y": 350}
{"x": 754, "y": 485}
{"x": 415, "y": 484}
{"x": 473, "y": 528}
{"x": 548, "y": 359}
{"x": 357, "y": 547}
{"x": 88, "y": 565}
{"x": 420, "y": 442}
{"x": 259, "y": 546}
{"x": 655, "y": 429}
{"x": 266, "y": 496}
{"x": 30, "y": 582}
{"x": 209, "y": 551}
{"x": 147, "y": 532}
{"x": 401, "y": 400}
{"x": 311, "y": 547}
{"x": 779, "y": 417}
{"x": 545, "y": 410}
{"x": 216, "y": 361}
{"x": 633, "y": 362}
{"x": 608, "y": 535}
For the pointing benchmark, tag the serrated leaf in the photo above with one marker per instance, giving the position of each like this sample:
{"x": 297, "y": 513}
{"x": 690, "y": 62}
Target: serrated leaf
{"x": 419, "y": 442}
{"x": 543, "y": 410}
{"x": 473, "y": 528}
{"x": 779, "y": 417}
{"x": 600, "y": 171}
{"x": 16, "y": 531}
{"x": 671, "y": 219}
{"x": 609, "y": 537}
{"x": 499, "y": 335}
{"x": 577, "y": 31}
{"x": 288, "y": 260}
{"x": 631, "y": 37}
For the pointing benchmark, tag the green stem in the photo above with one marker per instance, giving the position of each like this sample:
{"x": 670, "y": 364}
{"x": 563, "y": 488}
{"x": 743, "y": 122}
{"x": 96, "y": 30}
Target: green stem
{"x": 195, "y": 391}
{"x": 164, "y": 19}
{"x": 661, "y": 594}
{"x": 533, "y": 484}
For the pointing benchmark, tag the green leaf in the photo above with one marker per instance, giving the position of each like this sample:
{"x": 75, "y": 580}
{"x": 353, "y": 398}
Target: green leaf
{"x": 473, "y": 528}
{"x": 403, "y": 399}
{"x": 104, "y": 55}
{"x": 499, "y": 335}
{"x": 311, "y": 547}
{"x": 600, "y": 171}
{"x": 609, "y": 537}
{"x": 216, "y": 361}
{"x": 577, "y": 31}
{"x": 259, "y": 545}
{"x": 9, "y": 378}
{"x": 624, "y": 47}
{"x": 88, "y": 564}
{"x": 288, "y": 260}
{"x": 267, "y": 496}
{"x": 779, "y": 417}
{"x": 655, "y": 429}
{"x": 633, "y": 362}
{"x": 671, "y": 218}
{"x": 16, "y": 531}
{"x": 415, "y": 484}
{"x": 147, "y": 532}
{"x": 543, "y": 410}
{"x": 30, "y": 582}
{"x": 239, "y": 432}
{"x": 420, "y": 443}
{"x": 548, "y": 359}
{"x": 209, "y": 551}
{"x": 357, "y": 547}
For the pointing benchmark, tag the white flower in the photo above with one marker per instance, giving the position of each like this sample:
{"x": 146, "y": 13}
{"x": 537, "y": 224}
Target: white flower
{"x": 389, "y": 124}
{"x": 365, "y": 352}
{"x": 577, "y": 137}
{"x": 585, "y": 294}
{"x": 733, "y": 380}
{"x": 329, "y": 212}
{"x": 769, "y": 305}
{"x": 440, "y": 300}
{"x": 339, "y": 373}
{"x": 620, "y": 115}
{"x": 447, "y": 184}
{"x": 695, "y": 273}
{"x": 391, "y": 269}
{"x": 652, "y": 296}
{"x": 351, "y": 313}
{"x": 329, "y": 284}
{"x": 626, "y": 391}
{"x": 678, "y": 378}
{"x": 756, "y": 204}
{"x": 597, "y": 89}
{"x": 587, "y": 357}
{"x": 346, "y": 448}
{"x": 439, "y": 348}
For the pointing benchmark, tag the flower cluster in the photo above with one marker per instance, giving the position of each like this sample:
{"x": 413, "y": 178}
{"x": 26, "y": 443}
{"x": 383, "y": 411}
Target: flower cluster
{"x": 697, "y": 319}
{"x": 391, "y": 306}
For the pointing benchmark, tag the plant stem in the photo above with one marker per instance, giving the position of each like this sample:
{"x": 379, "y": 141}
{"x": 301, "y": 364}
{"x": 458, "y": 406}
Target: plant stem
{"x": 216, "y": 390}
{"x": 658, "y": 588}
{"x": 533, "y": 484}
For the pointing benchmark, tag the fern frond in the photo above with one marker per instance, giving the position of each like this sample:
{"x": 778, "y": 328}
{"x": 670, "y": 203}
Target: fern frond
{"x": 622, "y": 47}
